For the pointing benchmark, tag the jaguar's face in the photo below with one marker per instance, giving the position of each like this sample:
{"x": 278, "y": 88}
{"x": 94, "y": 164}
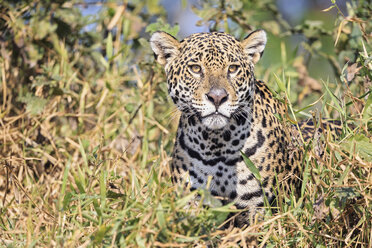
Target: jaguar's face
{"x": 210, "y": 74}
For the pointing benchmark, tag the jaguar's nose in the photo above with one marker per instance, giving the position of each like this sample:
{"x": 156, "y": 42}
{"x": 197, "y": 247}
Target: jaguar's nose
{"x": 217, "y": 96}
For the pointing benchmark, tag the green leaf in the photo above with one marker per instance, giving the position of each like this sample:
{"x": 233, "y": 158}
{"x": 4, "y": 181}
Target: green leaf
{"x": 102, "y": 186}
{"x": 84, "y": 155}
{"x": 79, "y": 181}
{"x": 161, "y": 26}
{"x": 209, "y": 199}
{"x": 279, "y": 82}
{"x": 334, "y": 99}
{"x": 35, "y": 105}
{"x": 251, "y": 166}
{"x": 359, "y": 144}
{"x": 306, "y": 177}
{"x": 97, "y": 207}
{"x": 100, "y": 234}
{"x": 160, "y": 216}
{"x": 66, "y": 201}
{"x": 185, "y": 200}
{"x": 367, "y": 112}
{"x": 344, "y": 174}
{"x": 129, "y": 107}
{"x": 63, "y": 188}
{"x": 103, "y": 61}
{"x": 221, "y": 213}
{"x": 42, "y": 28}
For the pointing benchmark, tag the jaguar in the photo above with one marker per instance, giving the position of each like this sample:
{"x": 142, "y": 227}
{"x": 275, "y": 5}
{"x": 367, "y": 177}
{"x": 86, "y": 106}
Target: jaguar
{"x": 227, "y": 116}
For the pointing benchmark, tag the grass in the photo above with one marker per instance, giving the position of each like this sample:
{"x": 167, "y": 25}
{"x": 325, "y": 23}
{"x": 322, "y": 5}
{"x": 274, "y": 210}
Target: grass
{"x": 84, "y": 160}
{"x": 109, "y": 185}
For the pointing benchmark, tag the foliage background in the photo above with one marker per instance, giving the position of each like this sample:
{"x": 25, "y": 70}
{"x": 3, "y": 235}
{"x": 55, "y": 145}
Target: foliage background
{"x": 87, "y": 129}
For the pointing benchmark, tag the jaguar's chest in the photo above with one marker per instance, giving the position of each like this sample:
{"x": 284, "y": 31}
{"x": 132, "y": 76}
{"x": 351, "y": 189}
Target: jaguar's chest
{"x": 202, "y": 156}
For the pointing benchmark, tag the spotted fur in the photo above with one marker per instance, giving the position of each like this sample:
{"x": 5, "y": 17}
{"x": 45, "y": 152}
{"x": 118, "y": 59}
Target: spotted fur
{"x": 225, "y": 111}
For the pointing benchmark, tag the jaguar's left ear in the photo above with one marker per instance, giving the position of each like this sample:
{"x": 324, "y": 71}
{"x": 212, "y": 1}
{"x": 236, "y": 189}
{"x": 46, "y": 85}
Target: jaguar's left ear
{"x": 254, "y": 45}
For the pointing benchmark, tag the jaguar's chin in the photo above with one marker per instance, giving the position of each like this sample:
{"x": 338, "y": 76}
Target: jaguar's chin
{"x": 215, "y": 121}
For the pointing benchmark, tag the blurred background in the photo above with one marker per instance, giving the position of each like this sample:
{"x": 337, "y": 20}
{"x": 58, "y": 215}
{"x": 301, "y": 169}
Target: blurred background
{"x": 184, "y": 14}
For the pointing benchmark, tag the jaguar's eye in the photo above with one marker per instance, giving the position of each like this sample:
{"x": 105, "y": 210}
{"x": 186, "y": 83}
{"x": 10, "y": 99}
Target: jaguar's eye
{"x": 195, "y": 68}
{"x": 233, "y": 68}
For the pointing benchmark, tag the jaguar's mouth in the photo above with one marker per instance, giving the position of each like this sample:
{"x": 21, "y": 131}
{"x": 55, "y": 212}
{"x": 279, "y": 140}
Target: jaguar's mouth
{"x": 216, "y": 114}
{"x": 215, "y": 120}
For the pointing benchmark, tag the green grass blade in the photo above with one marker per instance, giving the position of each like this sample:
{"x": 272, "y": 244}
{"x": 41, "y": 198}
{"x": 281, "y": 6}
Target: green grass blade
{"x": 251, "y": 166}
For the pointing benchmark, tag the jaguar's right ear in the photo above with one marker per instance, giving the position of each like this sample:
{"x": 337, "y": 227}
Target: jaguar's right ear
{"x": 165, "y": 47}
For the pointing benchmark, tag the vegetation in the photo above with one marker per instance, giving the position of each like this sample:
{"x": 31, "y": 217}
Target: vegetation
{"x": 87, "y": 129}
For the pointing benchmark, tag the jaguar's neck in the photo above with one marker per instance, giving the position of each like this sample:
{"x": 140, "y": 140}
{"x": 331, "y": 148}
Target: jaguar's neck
{"x": 213, "y": 146}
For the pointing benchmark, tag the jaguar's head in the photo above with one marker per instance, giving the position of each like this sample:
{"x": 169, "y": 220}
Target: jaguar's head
{"x": 210, "y": 74}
